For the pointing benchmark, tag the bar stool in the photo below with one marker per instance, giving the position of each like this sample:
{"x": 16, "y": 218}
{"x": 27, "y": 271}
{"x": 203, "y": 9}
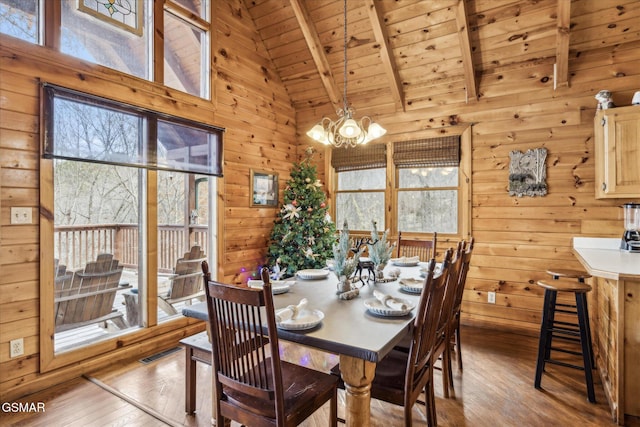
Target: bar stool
{"x": 580, "y": 276}
{"x": 568, "y": 274}
{"x": 554, "y": 329}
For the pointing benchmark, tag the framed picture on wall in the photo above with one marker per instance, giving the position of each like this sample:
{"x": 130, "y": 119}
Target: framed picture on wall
{"x": 264, "y": 189}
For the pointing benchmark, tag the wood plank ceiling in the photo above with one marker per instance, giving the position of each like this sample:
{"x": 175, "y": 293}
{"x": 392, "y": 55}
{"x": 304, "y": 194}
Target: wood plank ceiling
{"x": 409, "y": 54}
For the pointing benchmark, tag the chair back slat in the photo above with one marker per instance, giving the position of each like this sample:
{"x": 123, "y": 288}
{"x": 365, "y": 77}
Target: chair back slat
{"x": 424, "y": 249}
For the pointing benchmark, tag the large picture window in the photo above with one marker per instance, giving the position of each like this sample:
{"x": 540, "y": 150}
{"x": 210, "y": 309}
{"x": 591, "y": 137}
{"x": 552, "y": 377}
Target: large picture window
{"x": 111, "y": 164}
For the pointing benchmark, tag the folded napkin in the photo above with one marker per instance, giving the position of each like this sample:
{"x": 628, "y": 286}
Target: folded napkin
{"x": 290, "y": 312}
{"x": 394, "y": 272}
{"x": 389, "y": 301}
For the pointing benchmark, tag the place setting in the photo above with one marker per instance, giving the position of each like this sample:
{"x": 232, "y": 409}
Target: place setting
{"x": 424, "y": 267}
{"x": 298, "y": 317}
{"x": 277, "y": 286}
{"x": 312, "y": 274}
{"x": 411, "y": 285}
{"x": 388, "y": 306}
{"x": 405, "y": 261}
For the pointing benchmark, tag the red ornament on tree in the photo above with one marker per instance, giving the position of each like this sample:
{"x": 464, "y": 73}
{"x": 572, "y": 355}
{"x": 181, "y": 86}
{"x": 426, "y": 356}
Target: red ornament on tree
{"x": 294, "y": 203}
{"x": 322, "y": 205}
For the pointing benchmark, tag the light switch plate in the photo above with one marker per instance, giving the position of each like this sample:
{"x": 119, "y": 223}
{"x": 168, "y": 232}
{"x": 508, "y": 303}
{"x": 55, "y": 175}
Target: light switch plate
{"x": 21, "y": 216}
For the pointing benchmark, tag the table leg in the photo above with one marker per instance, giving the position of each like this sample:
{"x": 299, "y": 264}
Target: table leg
{"x": 357, "y": 375}
{"x": 190, "y": 382}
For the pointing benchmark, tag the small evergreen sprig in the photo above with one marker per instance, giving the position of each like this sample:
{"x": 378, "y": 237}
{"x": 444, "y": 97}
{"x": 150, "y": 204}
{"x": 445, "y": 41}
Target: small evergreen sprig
{"x": 344, "y": 266}
{"x": 380, "y": 250}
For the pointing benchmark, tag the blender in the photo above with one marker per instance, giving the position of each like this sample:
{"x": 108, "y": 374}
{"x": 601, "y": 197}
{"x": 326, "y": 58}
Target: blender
{"x": 631, "y": 237}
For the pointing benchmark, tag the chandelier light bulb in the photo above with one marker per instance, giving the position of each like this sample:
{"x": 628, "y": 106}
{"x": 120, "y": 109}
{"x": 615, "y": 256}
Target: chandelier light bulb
{"x": 376, "y": 131}
{"x": 350, "y": 129}
{"x": 317, "y": 132}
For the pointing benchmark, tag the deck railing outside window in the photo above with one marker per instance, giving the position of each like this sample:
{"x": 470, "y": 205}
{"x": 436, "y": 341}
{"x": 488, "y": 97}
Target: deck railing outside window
{"x": 75, "y": 245}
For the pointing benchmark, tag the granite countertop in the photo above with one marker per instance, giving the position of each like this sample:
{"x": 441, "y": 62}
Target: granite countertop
{"x": 602, "y": 257}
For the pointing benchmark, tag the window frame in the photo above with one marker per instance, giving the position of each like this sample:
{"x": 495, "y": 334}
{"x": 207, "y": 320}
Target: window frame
{"x": 392, "y": 189}
{"x": 113, "y": 345}
{"x": 398, "y": 190}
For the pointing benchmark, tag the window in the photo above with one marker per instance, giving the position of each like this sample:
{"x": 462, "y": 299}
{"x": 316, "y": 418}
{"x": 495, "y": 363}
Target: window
{"x": 119, "y": 35}
{"x": 361, "y": 184}
{"x": 111, "y": 164}
{"x": 428, "y": 200}
{"x": 426, "y": 187}
{"x": 19, "y": 18}
{"x": 186, "y": 47}
{"x": 109, "y": 39}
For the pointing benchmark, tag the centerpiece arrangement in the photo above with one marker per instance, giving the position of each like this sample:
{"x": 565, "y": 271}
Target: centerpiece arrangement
{"x": 344, "y": 266}
{"x": 380, "y": 251}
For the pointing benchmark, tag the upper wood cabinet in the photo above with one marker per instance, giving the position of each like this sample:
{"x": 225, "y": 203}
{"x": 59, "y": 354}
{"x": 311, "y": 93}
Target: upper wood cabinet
{"x": 617, "y": 148}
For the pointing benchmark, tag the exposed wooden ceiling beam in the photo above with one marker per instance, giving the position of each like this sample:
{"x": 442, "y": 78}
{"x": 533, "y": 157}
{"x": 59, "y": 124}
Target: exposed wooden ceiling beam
{"x": 317, "y": 52}
{"x": 386, "y": 54}
{"x": 465, "y": 46}
{"x": 561, "y": 67}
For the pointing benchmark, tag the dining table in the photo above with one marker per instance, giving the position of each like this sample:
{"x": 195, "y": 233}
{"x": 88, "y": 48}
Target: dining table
{"x": 361, "y": 337}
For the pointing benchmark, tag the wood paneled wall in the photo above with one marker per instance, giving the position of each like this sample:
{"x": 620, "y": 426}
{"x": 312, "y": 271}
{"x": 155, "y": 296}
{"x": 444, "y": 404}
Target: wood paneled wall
{"x": 249, "y": 101}
{"x": 518, "y": 238}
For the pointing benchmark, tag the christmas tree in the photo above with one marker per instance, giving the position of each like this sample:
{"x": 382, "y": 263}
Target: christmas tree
{"x": 303, "y": 234}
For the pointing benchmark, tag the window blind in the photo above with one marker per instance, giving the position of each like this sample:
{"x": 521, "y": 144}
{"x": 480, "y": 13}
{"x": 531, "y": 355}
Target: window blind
{"x": 88, "y": 128}
{"x": 427, "y": 153}
{"x": 358, "y": 158}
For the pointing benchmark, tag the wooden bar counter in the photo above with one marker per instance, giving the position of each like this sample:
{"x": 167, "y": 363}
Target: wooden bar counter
{"x": 614, "y": 309}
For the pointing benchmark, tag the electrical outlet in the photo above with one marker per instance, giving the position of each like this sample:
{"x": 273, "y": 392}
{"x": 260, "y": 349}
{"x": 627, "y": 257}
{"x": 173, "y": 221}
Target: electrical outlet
{"x": 21, "y": 216}
{"x": 17, "y": 347}
{"x": 491, "y": 297}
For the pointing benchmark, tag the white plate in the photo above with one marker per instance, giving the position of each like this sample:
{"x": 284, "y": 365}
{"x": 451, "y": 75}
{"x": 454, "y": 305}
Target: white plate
{"x": 277, "y": 286}
{"x": 401, "y": 262}
{"x": 437, "y": 271}
{"x": 376, "y": 307}
{"x": 411, "y": 285}
{"x": 306, "y": 319}
{"x": 312, "y": 274}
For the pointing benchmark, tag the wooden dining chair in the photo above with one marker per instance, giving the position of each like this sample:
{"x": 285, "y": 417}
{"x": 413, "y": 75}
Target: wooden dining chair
{"x": 402, "y": 376}
{"x": 424, "y": 249}
{"x": 443, "y": 340}
{"x": 252, "y": 385}
{"x": 454, "y": 326}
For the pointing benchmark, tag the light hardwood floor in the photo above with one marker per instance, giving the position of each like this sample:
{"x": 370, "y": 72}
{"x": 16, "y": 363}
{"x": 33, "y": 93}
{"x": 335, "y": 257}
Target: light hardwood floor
{"x": 495, "y": 389}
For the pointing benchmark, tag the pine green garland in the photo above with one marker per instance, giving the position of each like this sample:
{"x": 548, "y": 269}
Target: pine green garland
{"x": 303, "y": 234}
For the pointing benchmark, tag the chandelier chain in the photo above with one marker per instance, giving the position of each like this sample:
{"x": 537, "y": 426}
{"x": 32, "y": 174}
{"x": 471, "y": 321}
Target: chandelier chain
{"x": 344, "y": 99}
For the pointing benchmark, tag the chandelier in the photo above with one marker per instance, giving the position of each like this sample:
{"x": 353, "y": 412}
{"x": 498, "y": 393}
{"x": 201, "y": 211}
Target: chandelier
{"x": 346, "y": 131}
